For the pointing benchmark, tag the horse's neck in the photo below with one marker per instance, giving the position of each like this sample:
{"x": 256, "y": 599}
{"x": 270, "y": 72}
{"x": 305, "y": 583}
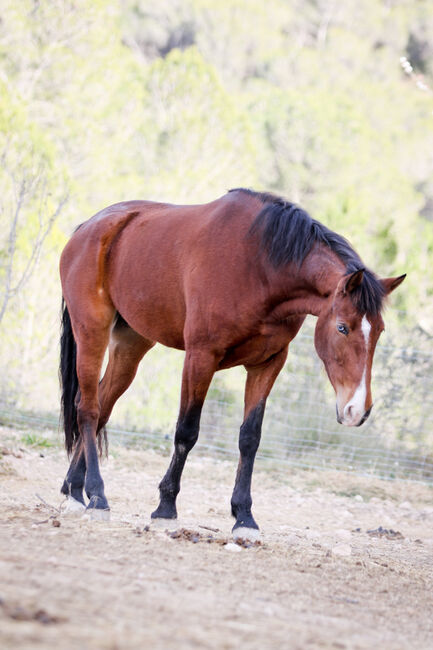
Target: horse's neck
{"x": 307, "y": 289}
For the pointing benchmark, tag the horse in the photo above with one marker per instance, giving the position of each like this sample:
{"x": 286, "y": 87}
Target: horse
{"x": 229, "y": 282}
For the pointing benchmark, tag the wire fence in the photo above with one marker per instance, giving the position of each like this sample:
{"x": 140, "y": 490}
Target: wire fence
{"x": 300, "y": 427}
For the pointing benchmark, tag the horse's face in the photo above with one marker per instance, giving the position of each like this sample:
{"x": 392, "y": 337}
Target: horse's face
{"x": 345, "y": 340}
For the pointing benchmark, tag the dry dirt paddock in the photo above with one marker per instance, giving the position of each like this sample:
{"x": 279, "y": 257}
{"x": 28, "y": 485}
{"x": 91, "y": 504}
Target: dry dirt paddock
{"x": 318, "y": 579}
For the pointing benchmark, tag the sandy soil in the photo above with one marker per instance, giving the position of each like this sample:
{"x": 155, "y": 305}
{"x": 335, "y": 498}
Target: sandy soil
{"x": 318, "y": 579}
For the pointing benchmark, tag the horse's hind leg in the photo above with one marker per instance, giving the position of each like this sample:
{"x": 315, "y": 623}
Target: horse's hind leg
{"x": 74, "y": 481}
{"x": 92, "y": 341}
{"x": 198, "y": 371}
{"x": 126, "y": 349}
{"x": 260, "y": 380}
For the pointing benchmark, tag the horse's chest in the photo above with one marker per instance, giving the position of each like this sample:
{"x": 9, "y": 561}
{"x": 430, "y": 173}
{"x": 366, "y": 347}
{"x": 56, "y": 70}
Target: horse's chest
{"x": 257, "y": 349}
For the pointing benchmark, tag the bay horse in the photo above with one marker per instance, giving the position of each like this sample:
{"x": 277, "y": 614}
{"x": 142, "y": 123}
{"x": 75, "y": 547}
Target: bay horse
{"x": 230, "y": 282}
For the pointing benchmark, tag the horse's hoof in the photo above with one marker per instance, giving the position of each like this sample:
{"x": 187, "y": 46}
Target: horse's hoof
{"x": 72, "y": 508}
{"x": 250, "y": 534}
{"x": 165, "y": 511}
{"x": 97, "y": 514}
{"x": 162, "y": 523}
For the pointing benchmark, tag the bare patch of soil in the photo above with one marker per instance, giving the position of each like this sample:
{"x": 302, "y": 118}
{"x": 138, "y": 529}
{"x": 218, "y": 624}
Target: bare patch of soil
{"x": 343, "y": 562}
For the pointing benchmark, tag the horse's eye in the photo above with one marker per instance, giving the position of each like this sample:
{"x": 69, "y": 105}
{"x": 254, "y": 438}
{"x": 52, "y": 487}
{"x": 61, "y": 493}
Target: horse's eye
{"x": 343, "y": 329}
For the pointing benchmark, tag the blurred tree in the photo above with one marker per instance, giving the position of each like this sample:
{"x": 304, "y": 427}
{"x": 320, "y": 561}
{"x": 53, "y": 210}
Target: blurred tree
{"x": 179, "y": 100}
{"x": 197, "y": 139}
{"x": 31, "y": 198}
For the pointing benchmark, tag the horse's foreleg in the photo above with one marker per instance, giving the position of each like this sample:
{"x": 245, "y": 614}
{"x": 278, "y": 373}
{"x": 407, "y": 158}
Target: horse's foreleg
{"x": 198, "y": 371}
{"x": 260, "y": 380}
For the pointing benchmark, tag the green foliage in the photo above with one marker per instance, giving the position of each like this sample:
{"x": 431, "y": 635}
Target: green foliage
{"x": 35, "y": 440}
{"x": 180, "y": 100}
{"x": 196, "y": 136}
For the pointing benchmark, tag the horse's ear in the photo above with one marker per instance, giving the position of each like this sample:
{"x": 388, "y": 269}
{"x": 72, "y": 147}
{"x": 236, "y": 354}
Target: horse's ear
{"x": 353, "y": 281}
{"x": 389, "y": 284}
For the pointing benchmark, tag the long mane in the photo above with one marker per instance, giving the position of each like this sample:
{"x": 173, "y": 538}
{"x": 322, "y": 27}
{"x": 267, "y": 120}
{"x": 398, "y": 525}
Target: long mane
{"x": 288, "y": 233}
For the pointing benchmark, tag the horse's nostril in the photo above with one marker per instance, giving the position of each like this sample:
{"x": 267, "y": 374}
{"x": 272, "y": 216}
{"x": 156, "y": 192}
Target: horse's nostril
{"x": 348, "y": 411}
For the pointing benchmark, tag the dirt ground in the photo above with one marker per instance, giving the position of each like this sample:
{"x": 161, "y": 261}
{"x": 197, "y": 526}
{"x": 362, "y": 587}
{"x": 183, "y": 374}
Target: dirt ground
{"x": 317, "y": 580}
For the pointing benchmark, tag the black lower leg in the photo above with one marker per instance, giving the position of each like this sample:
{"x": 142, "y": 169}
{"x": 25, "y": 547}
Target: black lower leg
{"x": 94, "y": 485}
{"x": 185, "y": 438}
{"x": 74, "y": 481}
{"x": 249, "y": 440}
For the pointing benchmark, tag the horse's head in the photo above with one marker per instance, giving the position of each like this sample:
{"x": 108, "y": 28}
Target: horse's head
{"x": 345, "y": 340}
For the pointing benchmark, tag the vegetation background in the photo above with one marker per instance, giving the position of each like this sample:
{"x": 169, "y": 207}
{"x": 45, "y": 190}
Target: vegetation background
{"x": 328, "y": 103}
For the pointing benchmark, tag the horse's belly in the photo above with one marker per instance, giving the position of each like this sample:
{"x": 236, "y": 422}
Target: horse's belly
{"x": 153, "y": 320}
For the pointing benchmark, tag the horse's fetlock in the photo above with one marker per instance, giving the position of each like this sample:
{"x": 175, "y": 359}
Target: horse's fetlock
{"x": 66, "y": 488}
{"x": 241, "y": 503}
{"x": 168, "y": 491}
{"x": 94, "y": 488}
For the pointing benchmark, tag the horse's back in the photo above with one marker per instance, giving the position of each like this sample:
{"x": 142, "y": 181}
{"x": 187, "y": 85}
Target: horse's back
{"x": 156, "y": 263}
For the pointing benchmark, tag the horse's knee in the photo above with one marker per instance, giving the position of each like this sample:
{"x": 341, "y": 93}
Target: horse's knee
{"x": 186, "y": 436}
{"x": 187, "y": 429}
{"x": 250, "y": 432}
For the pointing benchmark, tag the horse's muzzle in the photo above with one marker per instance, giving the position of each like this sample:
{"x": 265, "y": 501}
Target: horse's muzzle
{"x": 364, "y": 417}
{"x": 362, "y": 420}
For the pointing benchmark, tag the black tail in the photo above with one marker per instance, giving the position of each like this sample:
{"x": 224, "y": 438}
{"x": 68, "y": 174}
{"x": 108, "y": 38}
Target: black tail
{"x": 68, "y": 380}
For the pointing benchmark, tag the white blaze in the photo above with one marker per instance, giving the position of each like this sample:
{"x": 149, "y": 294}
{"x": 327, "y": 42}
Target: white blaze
{"x": 355, "y": 408}
{"x": 366, "y": 328}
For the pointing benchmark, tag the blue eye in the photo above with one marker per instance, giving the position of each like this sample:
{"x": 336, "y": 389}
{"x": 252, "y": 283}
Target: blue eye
{"x": 343, "y": 329}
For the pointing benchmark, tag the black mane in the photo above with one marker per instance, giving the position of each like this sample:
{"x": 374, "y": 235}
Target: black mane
{"x": 288, "y": 234}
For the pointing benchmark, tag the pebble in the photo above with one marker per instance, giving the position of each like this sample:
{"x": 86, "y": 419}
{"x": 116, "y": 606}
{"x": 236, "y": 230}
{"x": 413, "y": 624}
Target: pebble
{"x": 343, "y": 534}
{"x": 343, "y": 550}
{"x": 230, "y": 546}
{"x": 358, "y": 498}
{"x": 388, "y": 522}
{"x": 342, "y": 513}
{"x": 312, "y": 534}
